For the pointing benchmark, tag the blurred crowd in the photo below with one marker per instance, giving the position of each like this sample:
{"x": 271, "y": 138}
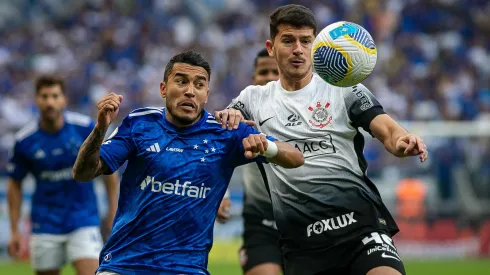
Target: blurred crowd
{"x": 433, "y": 55}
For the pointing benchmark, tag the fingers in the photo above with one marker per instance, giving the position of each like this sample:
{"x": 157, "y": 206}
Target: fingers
{"x": 224, "y": 119}
{"x": 109, "y": 105}
{"x": 232, "y": 121}
{"x": 254, "y": 145}
{"x": 110, "y": 102}
{"x": 412, "y": 141}
{"x": 246, "y": 145}
{"x": 217, "y": 116}
{"x": 229, "y": 118}
{"x": 248, "y": 122}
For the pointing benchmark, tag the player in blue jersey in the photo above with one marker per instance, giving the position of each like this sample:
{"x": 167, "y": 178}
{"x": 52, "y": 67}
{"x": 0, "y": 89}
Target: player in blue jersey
{"x": 180, "y": 162}
{"x": 64, "y": 215}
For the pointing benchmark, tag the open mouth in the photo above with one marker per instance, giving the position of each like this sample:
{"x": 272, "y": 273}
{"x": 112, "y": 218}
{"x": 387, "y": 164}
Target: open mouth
{"x": 297, "y": 63}
{"x": 187, "y": 105}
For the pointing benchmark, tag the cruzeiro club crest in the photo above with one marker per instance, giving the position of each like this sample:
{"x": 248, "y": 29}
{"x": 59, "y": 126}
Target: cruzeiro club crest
{"x": 320, "y": 117}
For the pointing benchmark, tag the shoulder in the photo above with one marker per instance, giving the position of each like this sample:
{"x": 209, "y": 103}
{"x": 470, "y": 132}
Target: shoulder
{"x": 27, "y": 131}
{"x": 146, "y": 113}
{"x": 211, "y": 123}
{"x": 358, "y": 92}
{"x": 78, "y": 119}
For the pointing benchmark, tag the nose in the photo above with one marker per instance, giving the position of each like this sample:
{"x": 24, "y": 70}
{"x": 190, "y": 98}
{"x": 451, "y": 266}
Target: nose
{"x": 298, "y": 48}
{"x": 190, "y": 91}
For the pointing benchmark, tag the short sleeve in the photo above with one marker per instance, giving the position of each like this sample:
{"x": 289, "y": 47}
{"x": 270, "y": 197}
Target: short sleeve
{"x": 118, "y": 146}
{"x": 244, "y": 103}
{"x": 17, "y": 167}
{"x": 238, "y": 153}
{"x": 362, "y": 106}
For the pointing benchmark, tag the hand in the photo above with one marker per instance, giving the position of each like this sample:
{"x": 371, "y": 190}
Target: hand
{"x": 254, "y": 145}
{"x": 14, "y": 246}
{"x": 107, "y": 109}
{"x": 412, "y": 145}
{"x": 223, "y": 211}
{"x": 232, "y": 117}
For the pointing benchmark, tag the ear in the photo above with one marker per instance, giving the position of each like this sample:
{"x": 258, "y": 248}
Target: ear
{"x": 207, "y": 96}
{"x": 163, "y": 89}
{"x": 270, "y": 47}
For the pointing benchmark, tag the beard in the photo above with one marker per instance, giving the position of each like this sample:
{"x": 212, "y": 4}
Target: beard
{"x": 186, "y": 119}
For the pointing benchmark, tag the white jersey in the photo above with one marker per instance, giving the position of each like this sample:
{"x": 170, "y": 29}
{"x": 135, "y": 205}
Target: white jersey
{"x": 329, "y": 198}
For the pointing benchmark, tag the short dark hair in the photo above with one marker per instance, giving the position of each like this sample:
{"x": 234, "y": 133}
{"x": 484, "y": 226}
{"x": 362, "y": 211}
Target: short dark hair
{"x": 295, "y": 15}
{"x": 49, "y": 81}
{"x": 189, "y": 57}
{"x": 262, "y": 53}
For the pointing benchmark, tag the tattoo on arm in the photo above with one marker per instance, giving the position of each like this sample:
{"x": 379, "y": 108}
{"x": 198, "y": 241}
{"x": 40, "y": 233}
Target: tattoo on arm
{"x": 88, "y": 163}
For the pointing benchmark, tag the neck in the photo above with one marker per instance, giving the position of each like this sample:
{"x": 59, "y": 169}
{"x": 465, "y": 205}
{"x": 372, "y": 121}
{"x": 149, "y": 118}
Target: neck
{"x": 290, "y": 84}
{"x": 52, "y": 126}
{"x": 178, "y": 123}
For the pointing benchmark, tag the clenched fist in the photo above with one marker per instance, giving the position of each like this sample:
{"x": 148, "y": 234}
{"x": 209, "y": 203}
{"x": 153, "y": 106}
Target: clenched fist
{"x": 255, "y": 144}
{"x": 107, "y": 109}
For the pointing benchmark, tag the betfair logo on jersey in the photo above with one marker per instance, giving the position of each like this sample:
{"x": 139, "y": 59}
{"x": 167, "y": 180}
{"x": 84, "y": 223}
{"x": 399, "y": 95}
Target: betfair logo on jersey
{"x": 321, "y": 226}
{"x": 315, "y": 146}
{"x": 58, "y": 175}
{"x": 185, "y": 189}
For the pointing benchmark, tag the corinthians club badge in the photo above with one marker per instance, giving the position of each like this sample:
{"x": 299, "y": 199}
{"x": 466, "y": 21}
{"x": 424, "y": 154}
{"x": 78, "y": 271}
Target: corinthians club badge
{"x": 320, "y": 117}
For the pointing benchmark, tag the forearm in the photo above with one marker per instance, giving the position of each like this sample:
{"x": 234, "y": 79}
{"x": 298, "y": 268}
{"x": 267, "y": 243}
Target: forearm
{"x": 390, "y": 143}
{"x": 287, "y": 156}
{"x": 88, "y": 165}
{"x": 14, "y": 197}
{"x": 111, "y": 183}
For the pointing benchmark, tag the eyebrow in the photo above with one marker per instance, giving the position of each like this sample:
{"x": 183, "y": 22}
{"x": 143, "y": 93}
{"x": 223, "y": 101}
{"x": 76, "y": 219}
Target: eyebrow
{"x": 288, "y": 35}
{"x": 199, "y": 77}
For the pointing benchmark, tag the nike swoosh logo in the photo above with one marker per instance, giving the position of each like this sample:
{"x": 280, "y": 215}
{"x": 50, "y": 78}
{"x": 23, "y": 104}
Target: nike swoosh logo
{"x": 388, "y": 256}
{"x": 263, "y": 121}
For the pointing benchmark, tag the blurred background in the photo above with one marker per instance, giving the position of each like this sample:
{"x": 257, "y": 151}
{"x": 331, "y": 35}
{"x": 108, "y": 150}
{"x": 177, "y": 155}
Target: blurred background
{"x": 433, "y": 75}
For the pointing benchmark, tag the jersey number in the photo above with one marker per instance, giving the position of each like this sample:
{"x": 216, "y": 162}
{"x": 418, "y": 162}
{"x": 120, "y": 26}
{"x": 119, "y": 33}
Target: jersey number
{"x": 379, "y": 239}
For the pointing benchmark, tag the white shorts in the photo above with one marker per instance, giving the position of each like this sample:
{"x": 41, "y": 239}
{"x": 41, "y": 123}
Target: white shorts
{"x": 50, "y": 251}
{"x": 106, "y": 273}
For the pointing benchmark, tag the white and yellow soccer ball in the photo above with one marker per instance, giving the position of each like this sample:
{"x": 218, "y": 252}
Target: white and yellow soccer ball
{"x": 344, "y": 54}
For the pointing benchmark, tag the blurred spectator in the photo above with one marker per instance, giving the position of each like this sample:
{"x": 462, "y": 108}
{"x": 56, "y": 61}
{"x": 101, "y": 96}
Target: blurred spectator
{"x": 433, "y": 58}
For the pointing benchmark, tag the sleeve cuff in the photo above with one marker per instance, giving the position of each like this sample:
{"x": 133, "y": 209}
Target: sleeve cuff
{"x": 368, "y": 116}
{"x": 108, "y": 161}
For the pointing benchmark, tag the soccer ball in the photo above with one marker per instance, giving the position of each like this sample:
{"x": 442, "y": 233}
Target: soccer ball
{"x": 344, "y": 54}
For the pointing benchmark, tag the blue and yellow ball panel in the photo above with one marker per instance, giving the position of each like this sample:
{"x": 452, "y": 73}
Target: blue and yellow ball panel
{"x": 362, "y": 36}
{"x": 330, "y": 64}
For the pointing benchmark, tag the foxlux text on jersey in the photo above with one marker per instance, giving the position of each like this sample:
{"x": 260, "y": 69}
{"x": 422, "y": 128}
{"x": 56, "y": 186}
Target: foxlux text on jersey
{"x": 185, "y": 189}
{"x": 321, "y": 226}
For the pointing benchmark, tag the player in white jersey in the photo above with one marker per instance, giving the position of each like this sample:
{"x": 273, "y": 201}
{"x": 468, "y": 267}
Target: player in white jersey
{"x": 260, "y": 253}
{"x": 330, "y": 215}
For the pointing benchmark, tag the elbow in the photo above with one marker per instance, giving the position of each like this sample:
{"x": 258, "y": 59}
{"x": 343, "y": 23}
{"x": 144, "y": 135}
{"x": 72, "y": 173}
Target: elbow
{"x": 80, "y": 177}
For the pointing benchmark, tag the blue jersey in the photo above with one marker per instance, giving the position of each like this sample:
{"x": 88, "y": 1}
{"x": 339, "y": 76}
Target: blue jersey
{"x": 170, "y": 191}
{"x": 59, "y": 204}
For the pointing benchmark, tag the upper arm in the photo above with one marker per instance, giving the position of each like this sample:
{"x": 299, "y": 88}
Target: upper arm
{"x": 238, "y": 154}
{"x": 17, "y": 167}
{"x": 117, "y": 148}
{"x": 243, "y": 102}
{"x": 362, "y": 107}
